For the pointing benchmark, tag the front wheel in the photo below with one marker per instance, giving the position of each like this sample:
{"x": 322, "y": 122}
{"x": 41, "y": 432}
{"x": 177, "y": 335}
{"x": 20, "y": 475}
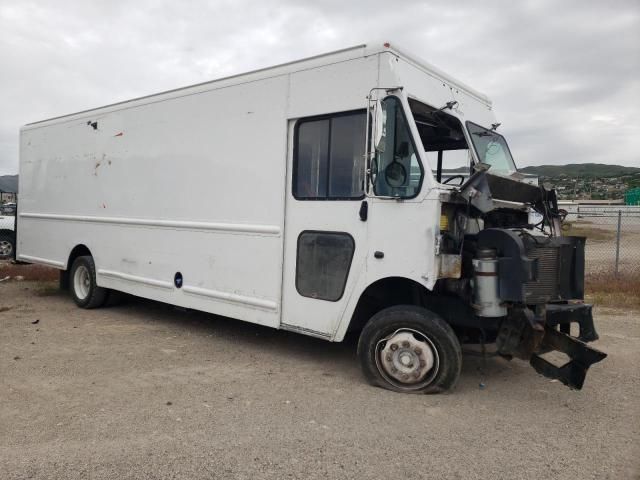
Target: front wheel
{"x": 410, "y": 349}
{"x": 84, "y": 289}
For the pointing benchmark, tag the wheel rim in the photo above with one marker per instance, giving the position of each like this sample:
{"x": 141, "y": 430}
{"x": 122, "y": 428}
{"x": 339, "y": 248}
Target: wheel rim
{"x": 82, "y": 282}
{"x": 407, "y": 359}
{"x": 6, "y": 248}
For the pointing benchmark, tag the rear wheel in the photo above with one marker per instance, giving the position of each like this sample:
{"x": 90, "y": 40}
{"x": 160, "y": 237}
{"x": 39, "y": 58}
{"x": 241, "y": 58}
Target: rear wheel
{"x": 410, "y": 349}
{"x": 7, "y": 245}
{"x": 84, "y": 289}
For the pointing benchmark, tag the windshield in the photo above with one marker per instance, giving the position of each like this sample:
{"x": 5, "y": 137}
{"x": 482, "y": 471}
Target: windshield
{"x": 491, "y": 148}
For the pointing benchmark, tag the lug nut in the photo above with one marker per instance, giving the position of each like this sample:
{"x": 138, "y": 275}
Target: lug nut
{"x": 388, "y": 358}
{"x": 394, "y": 347}
{"x": 405, "y": 376}
{"x": 418, "y": 350}
{"x": 405, "y": 344}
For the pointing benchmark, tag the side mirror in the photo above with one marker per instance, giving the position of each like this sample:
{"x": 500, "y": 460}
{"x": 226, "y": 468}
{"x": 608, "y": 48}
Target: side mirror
{"x": 395, "y": 174}
{"x": 380, "y": 133}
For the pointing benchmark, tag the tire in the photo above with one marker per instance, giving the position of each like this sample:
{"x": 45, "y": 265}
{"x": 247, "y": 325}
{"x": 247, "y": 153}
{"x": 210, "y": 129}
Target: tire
{"x": 7, "y": 245}
{"x": 82, "y": 281}
{"x": 410, "y": 349}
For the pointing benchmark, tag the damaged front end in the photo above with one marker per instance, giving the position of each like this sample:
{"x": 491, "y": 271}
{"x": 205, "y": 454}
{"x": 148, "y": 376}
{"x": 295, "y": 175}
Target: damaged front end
{"x": 540, "y": 287}
{"x": 525, "y": 281}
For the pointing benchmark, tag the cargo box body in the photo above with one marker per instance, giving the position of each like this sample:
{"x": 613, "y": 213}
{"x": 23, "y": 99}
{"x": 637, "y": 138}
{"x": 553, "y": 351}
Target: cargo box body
{"x": 197, "y": 181}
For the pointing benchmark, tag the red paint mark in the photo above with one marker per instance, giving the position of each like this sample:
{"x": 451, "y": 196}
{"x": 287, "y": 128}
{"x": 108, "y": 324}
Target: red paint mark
{"x": 119, "y": 134}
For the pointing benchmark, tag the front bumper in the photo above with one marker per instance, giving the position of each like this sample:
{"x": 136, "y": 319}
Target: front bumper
{"x": 563, "y": 315}
{"x": 529, "y": 335}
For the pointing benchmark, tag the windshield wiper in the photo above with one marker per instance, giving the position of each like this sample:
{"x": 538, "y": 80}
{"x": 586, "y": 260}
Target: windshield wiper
{"x": 483, "y": 134}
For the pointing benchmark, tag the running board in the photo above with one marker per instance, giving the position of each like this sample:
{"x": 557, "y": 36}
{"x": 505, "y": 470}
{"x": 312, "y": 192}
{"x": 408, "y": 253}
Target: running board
{"x": 572, "y": 373}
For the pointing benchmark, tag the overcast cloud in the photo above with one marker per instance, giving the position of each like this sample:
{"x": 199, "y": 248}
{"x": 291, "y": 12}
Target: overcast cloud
{"x": 564, "y": 75}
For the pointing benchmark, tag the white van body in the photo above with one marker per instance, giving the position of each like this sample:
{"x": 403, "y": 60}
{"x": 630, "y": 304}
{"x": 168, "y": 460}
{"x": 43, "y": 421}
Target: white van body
{"x": 262, "y": 197}
{"x": 198, "y": 181}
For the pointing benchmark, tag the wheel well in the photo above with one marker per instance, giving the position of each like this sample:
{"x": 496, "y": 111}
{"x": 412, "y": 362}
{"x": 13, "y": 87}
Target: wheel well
{"x": 7, "y": 232}
{"x": 384, "y": 293}
{"x": 77, "y": 251}
{"x": 454, "y": 310}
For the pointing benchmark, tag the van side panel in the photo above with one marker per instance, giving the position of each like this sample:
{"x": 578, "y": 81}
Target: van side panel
{"x": 191, "y": 184}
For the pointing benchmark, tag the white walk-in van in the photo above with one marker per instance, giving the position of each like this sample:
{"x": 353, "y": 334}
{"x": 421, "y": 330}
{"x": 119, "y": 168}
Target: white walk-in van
{"x": 361, "y": 191}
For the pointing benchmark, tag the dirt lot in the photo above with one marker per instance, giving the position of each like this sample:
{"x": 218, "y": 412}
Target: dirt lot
{"x": 142, "y": 390}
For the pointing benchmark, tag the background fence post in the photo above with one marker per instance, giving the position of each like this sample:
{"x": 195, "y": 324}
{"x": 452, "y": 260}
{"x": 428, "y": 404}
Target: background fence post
{"x": 618, "y": 241}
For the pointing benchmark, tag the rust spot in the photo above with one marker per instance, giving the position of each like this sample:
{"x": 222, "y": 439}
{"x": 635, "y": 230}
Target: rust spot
{"x": 450, "y": 266}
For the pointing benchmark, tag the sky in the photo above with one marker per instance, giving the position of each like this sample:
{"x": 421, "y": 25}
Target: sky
{"x": 564, "y": 75}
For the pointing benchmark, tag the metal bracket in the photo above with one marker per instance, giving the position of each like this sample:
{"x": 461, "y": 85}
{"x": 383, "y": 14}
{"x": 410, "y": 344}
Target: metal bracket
{"x": 574, "y": 371}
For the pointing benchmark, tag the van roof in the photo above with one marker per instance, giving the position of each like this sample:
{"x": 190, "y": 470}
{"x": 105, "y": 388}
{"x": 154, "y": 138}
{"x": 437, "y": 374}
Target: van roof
{"x": 290, "y": 67}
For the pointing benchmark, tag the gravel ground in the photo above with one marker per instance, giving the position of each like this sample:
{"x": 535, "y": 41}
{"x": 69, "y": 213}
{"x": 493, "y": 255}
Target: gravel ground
{"x": 143, "y": 390}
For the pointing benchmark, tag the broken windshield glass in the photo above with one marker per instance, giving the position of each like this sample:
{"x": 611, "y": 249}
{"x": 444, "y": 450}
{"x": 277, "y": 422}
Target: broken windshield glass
{"x": 491, "y": 148}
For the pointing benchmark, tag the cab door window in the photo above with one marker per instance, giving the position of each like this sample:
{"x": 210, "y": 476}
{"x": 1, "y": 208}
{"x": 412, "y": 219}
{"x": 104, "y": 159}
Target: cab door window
{"x": 397, "y": 171}
{"x": 444, "y": 142}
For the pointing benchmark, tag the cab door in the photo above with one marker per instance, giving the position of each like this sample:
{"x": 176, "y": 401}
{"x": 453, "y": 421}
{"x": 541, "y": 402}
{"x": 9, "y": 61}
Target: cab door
{"x": 325, "y": 237}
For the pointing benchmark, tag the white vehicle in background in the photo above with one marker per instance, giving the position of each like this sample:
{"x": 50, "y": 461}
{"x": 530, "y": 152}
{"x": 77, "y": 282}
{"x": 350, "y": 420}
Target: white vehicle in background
{"x": 310, "y": 197}
{"x": 7, "y": 237}
{"x": 8, "y": 208}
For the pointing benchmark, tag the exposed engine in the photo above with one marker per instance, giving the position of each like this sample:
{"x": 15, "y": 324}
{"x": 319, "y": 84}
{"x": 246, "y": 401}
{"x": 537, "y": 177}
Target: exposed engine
{"x": 522, "y": 279}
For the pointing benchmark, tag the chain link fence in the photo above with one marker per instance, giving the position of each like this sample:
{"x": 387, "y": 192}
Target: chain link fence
{"x": 613, "y": 237}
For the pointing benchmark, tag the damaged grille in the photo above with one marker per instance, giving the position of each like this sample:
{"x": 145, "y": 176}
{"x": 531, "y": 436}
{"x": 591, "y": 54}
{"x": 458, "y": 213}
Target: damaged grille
{"x": 545, "y": 287}
{"x": 560, "y": 270}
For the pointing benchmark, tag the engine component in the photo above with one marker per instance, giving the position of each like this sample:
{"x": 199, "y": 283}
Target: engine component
{"x": 486, "y": 298}
{"x": 516, "y": 268}
{"x": 560, "y": 269}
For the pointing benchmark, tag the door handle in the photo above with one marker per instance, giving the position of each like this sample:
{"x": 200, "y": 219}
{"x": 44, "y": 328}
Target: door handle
{"x": 364, "y": 211}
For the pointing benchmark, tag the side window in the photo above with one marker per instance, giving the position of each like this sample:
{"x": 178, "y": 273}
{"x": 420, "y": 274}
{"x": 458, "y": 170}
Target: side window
{"x": 398, "y": 172}
{"x": 322, "y": 264}
{"x": 444, "y": 142}
{"x": 449, "y": 164}
{"x": 328, "y": 161}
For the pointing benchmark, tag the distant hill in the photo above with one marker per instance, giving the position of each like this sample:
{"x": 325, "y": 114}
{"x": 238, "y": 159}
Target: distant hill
{"x": 9, "y": 183}
{"x": 598, "y": 170}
